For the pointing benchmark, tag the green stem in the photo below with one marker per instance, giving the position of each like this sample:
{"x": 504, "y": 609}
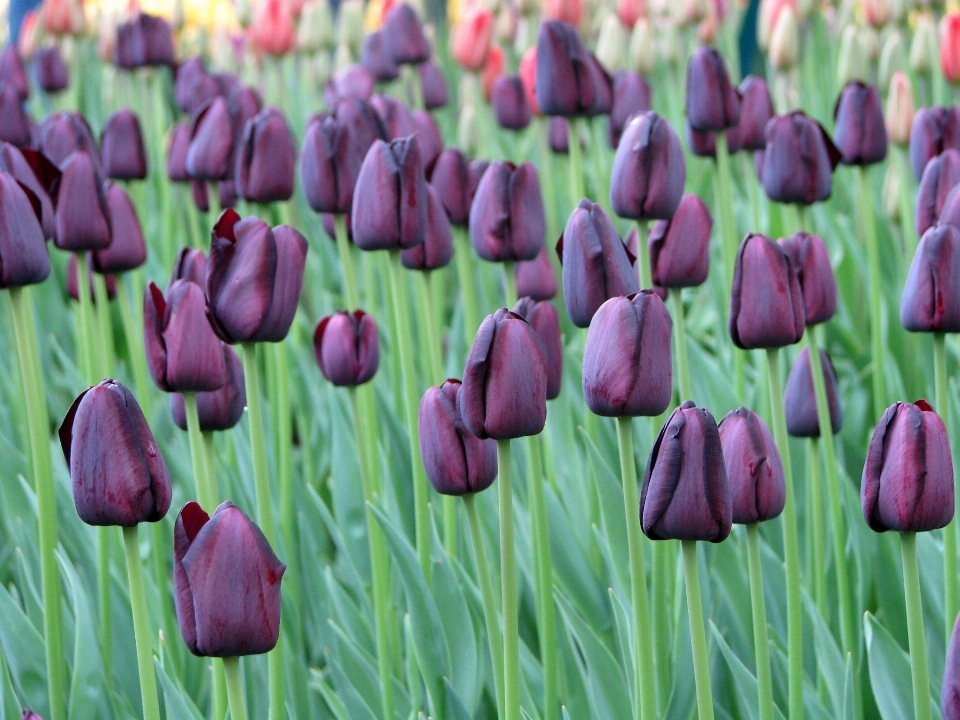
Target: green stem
{"x": 104, "y": 546}
{"x": 876, "y": 307}
{"x": 509, "y": 285}
{"x": 102, "y": 306}
{"x": 698, "y": 636}
{"x": 205, "y": 492}
{"x": 218, "y": 690}
{"x": 644, "y": 271}
{"x": 577, "y": 191}
{"x": 950, "y": 598}
{"x": 915, "y": 631}
{"x": 508, "y": 580}
{"x": 284, "y": 434}
{"x": 463, "y": 255}
{"x": 761, "y": 641}
{"x": 680, "y": 338}
{"x": 350, "y": 295}
{"x": 412, "y": 80}
{"x": 209, "y": 456}
{"x": 663, "y": 581}
{"x": 134, "y": 337}
{"x": 728, "y": 226}
{"x": 238, "y": 703}
{"x": 905, "y": 191}
{"x": 141, "y": 624}
{"x": 84, "y": 317}
{"x": 818, "y": 571}
{"x": 547, "y": 180}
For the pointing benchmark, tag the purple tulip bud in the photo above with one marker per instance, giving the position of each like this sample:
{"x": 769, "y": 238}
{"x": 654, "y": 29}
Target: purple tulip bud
{"x": 144, "y": 41}
{"x": 211, "y": 142}
{"x": 570, "y": 80}
{"x": 455, "y": 180}
{"x": 558, "y": 135}
{"x": 510, "y": 104}
{"x": 64, "y": 132}
{"x": 631, "y": 96}
{"x": 179, "y": 143}
{"x": 227, "y": 583}
{"x": 396, "y": 117}
{"x": 712, "y": 101}
{"x": 227, "y": 194}
{"x": 648, "y": 170}
{"x": 53, "y": 75}
{"x": 12, "y": 72}
{"x": 193, "y": 87}
{"x": 118, "y": 474}
{"x": 756, "y": 109}
{"x": 347, "y": 348}
{"x": 931, "y": 295}
{"x": 14, "y": 121}
{"x": 266, "y": 158}
{"x": 124, "y": 157}
{"x": 799, "y": 401}
{"x": 685, "y": 493}
{"x": 535, "y": 278}
{"x": 504, "y": 393}
{"x": 754, "y": 470}
{"x": 33, "y": 171}
{"x": 200, "y": 195}
{"x": 73, "y": 289}
{"x": 190, "y": 264}
{"x": 934, "y": 130}
{"x": 403, "y": 38}
{"x": 799, "y": 160}
{"x": 680, "y": 247}
{"x": 82, "y": 215}
{"x": 127, "y": 250}
{"x": 433, "y": 85}
{"x": 23, "y": 251}
{"x": 950, "y": 694}
{"x": 354, "y": 82}
{"x": 390, "y": 208}
{"x": 595, "y": 263}
{"x": 220, "y": 409}
{"x": 543, "y": 318}
{"x": 860, "y": 130}
{"x": 429, "y": 138}
{"x": 243, "y": 104}
{"x": 939, "y": 178}
{"x": 818, "y": 284}
{"x": 766, "y": 303}
{"x": 456, "y": 461}
{"x": 507, "y": 221}
{"x": 908, "y": 474}
{"x": 374, "y": 57}
{"x": 702, "y": 143}
{"x": 29, "y": 714}
{"x": 436, "y": 250}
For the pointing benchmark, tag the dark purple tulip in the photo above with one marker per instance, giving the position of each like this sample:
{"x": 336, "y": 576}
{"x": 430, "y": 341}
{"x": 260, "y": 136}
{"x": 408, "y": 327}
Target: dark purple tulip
{"x": 227, "y": 583}
{"x": 403, "y": 39}
{"x": 374, "y": 57}
{"x": 702, "y": 143}
{"x": 507, "y": 221}
{"x": 121, "y": 147}
{"x": 931, "y": 295}
{"x": 64, "y": 132}
{"x": 266, "y": 159}
{"x": 329, "y": 223}
{"x": 227, "y": 194}
{"x": 29, "y": 714}
{"x": 455, "y": 180}
{"x": 221, "y": 409}
{"x": 510, "y": 104}
{"x": 396, "y": 117}
{"x": 631, "y": 96}
{"x": 939, "y": 178}
{"x": 12, "y": 72}
{"x": 627, "y": 369}
{"x": 352, "y": 83}
{"x": 595, "y": 263}
{"x": 433, "y": 85}
{"x": 144, "y": 41}
{"x": 950, "y": 693}
{"x": 712, "y": 101}
{"x": 53, "y": 75}
{"x": 504, "y": 393}
{"x": 810, "y": 259}
{"x": 82, "y": 217}
{"x": 193, "y": 87}
{"x": 950, "y": 212}
{"x": 23, "y": 251}
{"x": 860, "y": 131}
{"x": 799, "y": 160}
{"x": 558, "y": 135}
{"x": 570, "y": 80}
{"x": 535, "y": 278}
{"x": 32, "y": 170}
{"x": 14, "y": 121}
{"x": 456, "y": 461}
{"x": 754, "y": 470}
{"x": 436, "y": 250}
{"x": 934, "y": 130}
{"x": 226, "y": 83}
{"x": 243, "y": 104}
{"x": 116, "y": 469}
{"x": 211, "y": 142}
{"x": 799, "y": 401}
{"x": 127, "y": 249}
{"x": 254, "y": 278}
{"x": 390, "y": 208}
{"x": 179, "y": 144}
{"x": 190, "y": 264}
{"x": 543, "y": 318}
{"x": 685, "y": 493}
{"x": 756, "y": 109}
{"x": 908, "y": 474}
{"x": 680, "y": 247}
{"x": 200, "y": 195}
{"x": 73, "y": 289}
{"x": 429, "y": 138}
{"x": 346, "y": 347}
{"x": 648, "y": 170}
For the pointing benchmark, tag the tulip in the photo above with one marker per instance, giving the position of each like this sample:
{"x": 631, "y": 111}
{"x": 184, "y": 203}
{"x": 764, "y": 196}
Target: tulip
{"x": 809, "y": 257}
{"x": 73, "y": 287}
{"x": 243, "y": 104}
{"x": 354, "y": 82}
{"x": 194, "y": 87}
{"x": 543, "y": 318}
{"x": 785, "y": 40}
{"x": 433, "y": 85}
{"x": 347, "y": 348}
{"x": 23, "y": 251}
{"x": 127, "y": 250}
{"x": 116, "y": 469}
{"x": 685, "y": 493}
{"x": 33, "y": 171}
{"x": 567, "y": 11}
{"x": 712, "y": 102}
{"x": 504, "y": 393}
{"x": 492, "y": 69}
{"x": 219, "y": 409}
{"x": 631, "y": 96}
{"x": 630, "y": 11}
{"x": 934, "y": 130}
{"x": 14, "y": 121}
{"x": 178, "y": 145}
{"x": 428, "y": 137}
{"x": 436, "y": 250}
{"x": 799, "y": 402}
{"x": 528, "y": 76}
{"x": 396, "y": 118}
{"x": 861, "y": 133}
{"x": 82, "y": 218}
{"x": 950, "y": 694}
{"x": 558, "y": 135}
{"x": 680, "y": 247}
{"x": 52, "y": 72}
{"x": 648, "y": 170}
{"x": 756, "y": 109}
{"x": 12, "y": 73}
{"x": 931, "y": 295}
{"x": 266, "y": 158}
{"x": 455, "y": 180}
{"x": 150, "y": 41}
{"x": 570, "y": 80}
{"x": 404, "y": 40}
{"x": 908, "y": 474}
{"x": 200, "y": 195}
{"x": 702, "y": 143}
{"x": 272, "y": 28}
{"x": 510, "y": 103}
{"x": 190, "y": 264}
{"x": 315, "y": 27}
{"x": 939, "y": 178}
{"x": 612, "y": 43}
{"x": 799, "y": 160}
{"x": 211, "y": 142}
{"x": 753, "y": 466}
{"x": 62, "y": 133}
{"x": 643, "y": 56}
{"x": 950, "y": 46}
{"x": 374, "y": 58}
{"x": 899, "y": 111}
{"x": 226, "y": 582}
{"x": 507, "y": 221}
{"x": 124, "y": 156}
{"x": 329, "y": 223}
{"x": 535, "y": 278}
{"x": 471, "y": 38}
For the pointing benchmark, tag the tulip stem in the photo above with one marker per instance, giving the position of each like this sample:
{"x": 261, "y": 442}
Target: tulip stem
{"x": 761, "y": 641}
{"x": 876, "y": 307}
{"x": 463, "y": 255}
{"x": 698, "y": 636}
{"x": 950, "y": 599}
{"x": 350, "y": 297}
{"x": 905, "y": 192}
{"x": 545, "y": 170}
{"x": 204, "y": 492}
{"x": 644, "y": 270}
{"x": 412, "y": 77}
{"x": 645, "y": 694}
{"x": 509, "y": 285}
{"x": 915, "y": 631}
{"x": 575, "y": 169}
{"x": 728, "y": 225}
{"x": 28, "y": 357}
{"x": 680, "y": 337}
{"x": 102, "y": 306}
{"x": 238, "y": 703}
{"x": 494, "y": 638}
{"x": 508, "y": 580}
{"x": 791, "y": 549}
{"x": 141, "y": 624}
{"x": 84, "y": 313}
{"x": 129, "y": 286}
{"x": 817, "y": 570}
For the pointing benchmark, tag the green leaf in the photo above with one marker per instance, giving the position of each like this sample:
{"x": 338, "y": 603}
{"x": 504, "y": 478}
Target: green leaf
{"x": 745, "y": 680}
{"x": 890, "y": 675}
{"x": 10, "y": 705}
{"x": 460, "y": 634}
{"x": 23, "y": 647}
{"x": 86, "y": 697}
{"x": 329, "y": 695}
{"x": 178, "y": 705}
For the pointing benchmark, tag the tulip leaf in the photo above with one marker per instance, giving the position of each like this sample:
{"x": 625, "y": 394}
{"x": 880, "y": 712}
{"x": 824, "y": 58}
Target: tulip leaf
{"x": 86, "y": 698}
{"x": 831, "y": 664}
{"x": 335, "y": 704}
{"x": 353, "y": 666}
{"x": 744, "y": 679}
{"x": 23, "y": 647}
{"x": 890, "y": 675}
{"x": 10, "y": 706}
{"x": 455, "y": 709}
{"x": 178, "y": 704}
{"x": 460, "y": 633}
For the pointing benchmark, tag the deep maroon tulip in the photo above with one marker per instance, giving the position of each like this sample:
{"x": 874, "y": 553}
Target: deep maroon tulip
{"x": 226, "y": 83}
{"x": 127, "y": 250}
{"x": 352, "y": 83}
{"x": 648, "y": 170}
{"x": 396, "y": 117}
{"x": 116, "y": 469}
{"x": 429, "y": 139}
{"x": 558, "y": 135}
{"x": 861, "y": 133}
{"x": 680, "y": 247}
{"x": 346, "y": 347}
{"x": 73, "y": 289}
{"x": 504, "y": 393}
{"x": 799, "y": 160}
{"x": 510, "y": 104}
{"x": 702, "y": 143}
{"x": 144, "y": 41}
{"x": 756, "y": 109}
{"x": 193, "y": 87}
{"x": 178, "y": 145}
{"x": 455, "y": 180}
{"x": 35, "y": 172}
{"x": 266, "y": 158}
{"x": 436, "y": 250}
{"x": 908, "y": 474}
{"x": 403, "y": 38}
{"x": 810, "y": 259}
{"x": 14, "y": 121}
{"x": 934, "y": 130}
{"x": 221, "y": 409}
{"x": 456, "y": 461}
{"x": 535, "y": 278}
{"x": 23, "y": 251}
{"x": 243, "y": 104}
{"x": 53, "y": 75}
{"x": 799, "y": 401}
{"x": 82, "y": 218}
{"x": 12, "y": 72}
{"x": 543, "y": 318}
{"x": 939, "y": 178}
{"x": 685, "y": 493}
{"x": 211, "y": 142}
{"x": 570, "y": 80}
{"x": 200, "y": 195}
{"x": 190, "y": 264}
{"x": 121, "y": 147}
{"x": 433, "y": 85}
{"x": 754, "y": 470}
{"x": 374, "y": 57}
{"x": 64, "y": 132}
{"x": 950, "y": 692}
{"x": 227, "y": 194}
{"x": 390, "y": 208}
{"x": 227, "y": 583}
{"x": 631, "y": 96}
{"x": 712, "y": 101}
{"x": 507, "y": 221}
{"x": 254, "y": 278}
{"x": 595, "y": 263}
{"x": 931, "y": 295}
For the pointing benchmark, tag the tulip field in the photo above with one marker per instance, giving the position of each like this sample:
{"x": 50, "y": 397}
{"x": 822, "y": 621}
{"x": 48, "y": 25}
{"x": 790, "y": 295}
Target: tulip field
{"x": 575, "y": 360}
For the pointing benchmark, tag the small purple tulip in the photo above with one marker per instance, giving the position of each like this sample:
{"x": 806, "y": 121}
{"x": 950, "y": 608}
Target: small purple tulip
{"x": 509, "y": 101}
{"x": 352, "y": 83}
{"x": 702, "y": 143}
{"x": 545, "y": 320}
{"x": 329, "y": 223}
{"x": 178, "y": 145}
{"x": 631, "y": 96}
{"x": 507, "y": 220}
{"x": 939, "y": 178}
{"x": 12, "y": 72}
{"x": 931, "y": 295}
{"x": 211, "y": 142}
{"x": 754, "y": 470}
{"x": 570, "y": 80}
{"x": 127, "y": 250}
{"x": 200, "y": 195}
{"x": 374, "y": 57}
{"x": 934, "y": 130}
{"x": 455, "y": 180}
{"x": 23, "y": 250}
{"x": 73, "y": 289}
{"x": 121, "y": 147}
{"x": 434, "y": 86}
{"x": 266, "y": 158}
{"x": 35, "y": 172}
{"x": 190, "y": 264}
{"x": 860, "y": 131}
{"x": 712, "y": 101}
{"x": 144, "y": 41}
{"x": 756, "y": 109}
{"x": 220, "y": 409}
{"x": 29, "y": 714}
{"x": 14, "y": 121}
{"x": 799, "y": 160}
{"x": 429, "y": 138}
{"x": 535, "y": 278}
{"x": 558, "y": 135}
{"x": 648, "y": 170}
{"x": 347, "y": 348}
{"x": 403, "y": 38}
{"x": 82, "y": 214}
{"x": 53, "y": 75}
{"x": 818, "y": 284}
{"x": 62, "y": 133}
{"x": 436, "y": 250}
{"x": 799, "y": 401}
{"x": 680, "y": 247}
{"x": 396, "y": 117}
{"x": 193, "y": 87}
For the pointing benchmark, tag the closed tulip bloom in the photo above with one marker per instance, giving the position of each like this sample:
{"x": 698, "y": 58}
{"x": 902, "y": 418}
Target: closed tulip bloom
{"x": 685, "y": 493}
{"x": 433, "y": 85}
{"x": 347, "y": 348}
{"x": 266, "y": 158}
{"x": 631, "y": 96}
{"x": 12, "y": 72}
{"x": 14, "y": 121}
{"x": 570, "y": 81}
{"x": 353, "y": 82}
{"x": 147, "y": 40}
{"x": 116, "y": 469}
{"x": 226, "y": 581}
{"x": 712, "y": 101}
{"x": 766, "y": 303}
{"x": 535, "y": 278}
{"x": 907, "y": 482}
{"x": 799, "y": 401}
{"x": 219, "y": 409}
{"x": 950, "y": 46}
{"x": 543, "y": 318}
{"x": 82, "y": 217}
{"x": 507, "y": 221}
{"x": 396, "y": 117}
{"x": 861, "y": 131}
{"x": 810, "y": 259}
{"x": 436, "y": 250}
{"x": 121, "y": 147}
{"x": 193, "y": 86}
{"x": 127, "y": 250}
{"x": 931, "y": 295}
{"x": 627, "y": 368}
{"x": 799, "y": 160}
{"x": 271, "y": 30}
{"x": 32, "y": 170}
{"x": 178, "y": 144}
{"x": 211, "y": 142}
{"x": 558, "y": 135}
{"x": 470, "y": 39}
{"x": 492, "y": 69}
{"x": 528, "y": 76}
{"x": 404, "y": 40}
{"x": 374, "y": 58}
{"x": 53, "y": 74}
{"x": 595, "y": 263}
{"x": 649, "y": 171}
{"x": 456, "y": 461}
{"x": 939, "y": 178}
{"x": 64, "y": 132}
{"x": 429, "y": 139}
{"x": 702, "y": 143}
{"x": 243, "y": 104}
{"x": 680, "y": 246}
{"x": 754, "y": 470}
{"x": 73, "y": 289}
{"x": 510, "y": 103}
{"x": 455, "y": 180}
{"x": 756, "y": 109}
{"x": 504, "y": 393}
{"x": 934, "y": 130}
{"x": 190, "y": 264}
{"x": 899, "y": 112}
{"x": 950, "y": 212}
{"x": 200, "y": 195}
{"x": 23, "y": 250}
